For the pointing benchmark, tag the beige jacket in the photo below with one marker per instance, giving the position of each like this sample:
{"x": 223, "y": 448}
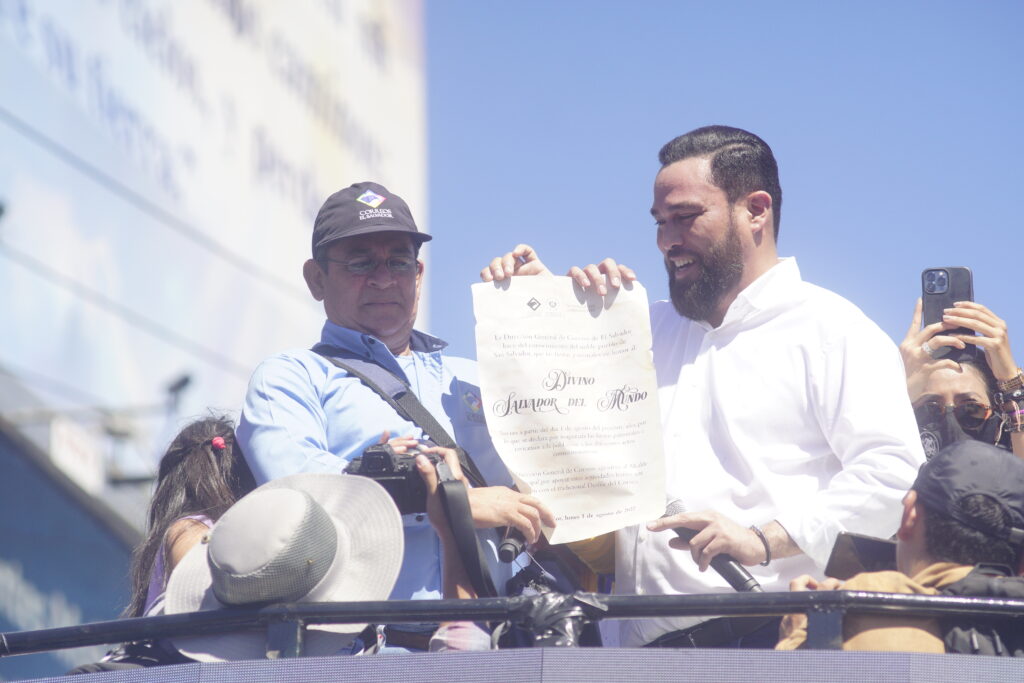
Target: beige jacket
{"x": 884, "y": 632}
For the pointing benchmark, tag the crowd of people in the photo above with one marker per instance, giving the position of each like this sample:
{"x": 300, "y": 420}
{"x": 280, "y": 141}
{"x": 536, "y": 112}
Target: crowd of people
{"x": 788, "y": 417}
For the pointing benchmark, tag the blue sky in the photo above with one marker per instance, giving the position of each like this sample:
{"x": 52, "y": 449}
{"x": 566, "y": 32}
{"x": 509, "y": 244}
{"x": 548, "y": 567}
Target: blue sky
{"x": 897, "y": 127}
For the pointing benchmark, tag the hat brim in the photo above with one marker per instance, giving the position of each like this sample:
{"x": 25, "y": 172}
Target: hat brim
{"x": 418, "y": 237}
{"x": 370, "y": 551}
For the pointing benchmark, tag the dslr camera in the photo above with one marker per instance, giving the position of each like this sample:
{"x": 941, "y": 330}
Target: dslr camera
{"x": 397, "y": 473}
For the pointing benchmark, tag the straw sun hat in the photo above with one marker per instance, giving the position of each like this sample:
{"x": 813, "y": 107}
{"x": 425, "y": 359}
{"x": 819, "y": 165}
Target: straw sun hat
{"x": 303, "y": 538}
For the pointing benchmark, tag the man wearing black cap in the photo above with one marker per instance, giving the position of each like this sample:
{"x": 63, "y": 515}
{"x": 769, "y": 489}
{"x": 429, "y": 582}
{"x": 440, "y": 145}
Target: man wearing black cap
{"x": 965, "y": 509}
{"x": 302, "y": 413}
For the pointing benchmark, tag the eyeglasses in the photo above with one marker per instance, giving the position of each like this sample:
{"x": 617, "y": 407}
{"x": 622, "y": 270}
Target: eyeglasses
{"x": 970, "y": 414}
{"x": 364, "y": 265}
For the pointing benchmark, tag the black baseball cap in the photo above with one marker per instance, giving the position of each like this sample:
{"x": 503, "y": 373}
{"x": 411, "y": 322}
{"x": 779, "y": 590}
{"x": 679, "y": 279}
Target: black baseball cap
{"x": 361, "y": 209}
{"x": 971, "y": 467}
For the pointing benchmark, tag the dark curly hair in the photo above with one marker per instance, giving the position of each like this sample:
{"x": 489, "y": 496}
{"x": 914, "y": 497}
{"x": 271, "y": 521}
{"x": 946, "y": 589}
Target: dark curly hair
{"x": 194, "y": 479}
{"x": 948, "y": 540}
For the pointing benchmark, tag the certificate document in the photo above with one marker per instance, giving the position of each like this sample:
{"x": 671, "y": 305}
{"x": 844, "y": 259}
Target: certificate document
{"x": 571, "y": 400}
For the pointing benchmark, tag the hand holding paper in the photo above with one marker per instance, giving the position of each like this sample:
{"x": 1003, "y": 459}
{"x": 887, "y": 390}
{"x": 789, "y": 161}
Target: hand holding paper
{"x": 524, "y": 260}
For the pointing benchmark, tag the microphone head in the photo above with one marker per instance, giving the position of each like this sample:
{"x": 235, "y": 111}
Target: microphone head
{"x": 675, "y": 507}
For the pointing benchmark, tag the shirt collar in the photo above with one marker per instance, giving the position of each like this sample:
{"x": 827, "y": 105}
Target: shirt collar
{"x": 368, "y": 346}
{"x": 941, "y": 574}
{"x": 763, "y": 293}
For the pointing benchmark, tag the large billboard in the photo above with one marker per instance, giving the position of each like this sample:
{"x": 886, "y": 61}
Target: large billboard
{"x": 161, "y": 163}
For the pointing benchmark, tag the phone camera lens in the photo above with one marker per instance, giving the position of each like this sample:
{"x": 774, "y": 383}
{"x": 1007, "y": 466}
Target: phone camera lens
{"x": 936, "y": 281}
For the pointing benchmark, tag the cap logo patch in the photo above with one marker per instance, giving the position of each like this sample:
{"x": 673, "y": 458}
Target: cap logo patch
{"x": 371, "y": 198}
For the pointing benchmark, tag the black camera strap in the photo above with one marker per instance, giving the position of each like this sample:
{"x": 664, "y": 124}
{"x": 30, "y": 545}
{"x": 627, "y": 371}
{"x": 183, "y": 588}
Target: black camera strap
{"x": 400, "y": 396}
{"x": 455, "y": 502}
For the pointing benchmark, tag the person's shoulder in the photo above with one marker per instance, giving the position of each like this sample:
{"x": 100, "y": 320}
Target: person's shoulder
{"x": 189, "y": 522}
{"x": 664, "y": 316}
{"x": 288, "y": 366}
{"x": 662, "y": 308}
{"x": 464, "y": 369}
{"x": 889, "y": 581}
{"x": 830, "y": 302}
{"x": 298, "y": 356}
{"x": 187, "y": 530}
{"x": 838, "y": 317}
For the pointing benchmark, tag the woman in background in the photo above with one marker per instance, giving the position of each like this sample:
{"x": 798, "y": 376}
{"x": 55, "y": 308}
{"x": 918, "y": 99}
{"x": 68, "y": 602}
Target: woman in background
{"x": 201, "y": 475}
{"x": 977, "y": 393}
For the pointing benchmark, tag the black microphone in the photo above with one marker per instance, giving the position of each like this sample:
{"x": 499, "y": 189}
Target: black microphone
{"x": 512, "y": 544}
{"x": 726, "y": 566}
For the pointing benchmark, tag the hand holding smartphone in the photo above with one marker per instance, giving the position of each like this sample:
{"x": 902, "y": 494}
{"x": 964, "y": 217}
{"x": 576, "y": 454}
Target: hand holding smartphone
{"x": 941, "y": 288}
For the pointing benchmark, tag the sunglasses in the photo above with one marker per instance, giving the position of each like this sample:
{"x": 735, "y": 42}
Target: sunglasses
{"x": 364, "y": 265}
{"x": 971, "y": 415}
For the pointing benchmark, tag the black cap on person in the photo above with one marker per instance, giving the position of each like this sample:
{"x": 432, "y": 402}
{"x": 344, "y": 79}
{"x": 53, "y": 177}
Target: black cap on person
{"x": 971, "y": 467}
{"x": 361, "y": 209}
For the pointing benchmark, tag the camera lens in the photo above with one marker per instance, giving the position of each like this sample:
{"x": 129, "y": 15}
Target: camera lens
{"x": 935, "y": 281}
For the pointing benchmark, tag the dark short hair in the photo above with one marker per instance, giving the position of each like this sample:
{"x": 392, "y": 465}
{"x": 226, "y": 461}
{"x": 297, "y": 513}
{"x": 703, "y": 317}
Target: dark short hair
{"x": 976, "y": 359}
{"x": 741, "y": 162}
{"x": 948, "y": 540}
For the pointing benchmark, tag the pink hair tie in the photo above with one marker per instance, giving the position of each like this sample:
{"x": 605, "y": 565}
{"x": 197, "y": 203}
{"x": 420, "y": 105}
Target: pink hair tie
{"x": 218, "y": 443}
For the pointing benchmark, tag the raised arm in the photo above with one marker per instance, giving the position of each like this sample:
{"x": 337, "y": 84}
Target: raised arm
{"x": 993, "y": 338}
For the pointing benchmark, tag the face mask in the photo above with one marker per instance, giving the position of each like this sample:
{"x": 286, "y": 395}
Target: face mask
{"x": 937, "y": 434}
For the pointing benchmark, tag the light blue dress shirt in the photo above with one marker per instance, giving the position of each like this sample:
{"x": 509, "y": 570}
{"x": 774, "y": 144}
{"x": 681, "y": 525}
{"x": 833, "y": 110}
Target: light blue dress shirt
{"x": 304, "y": 414}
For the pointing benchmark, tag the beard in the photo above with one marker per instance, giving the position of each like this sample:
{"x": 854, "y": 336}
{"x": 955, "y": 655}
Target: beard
{"x": 720, "y": 270}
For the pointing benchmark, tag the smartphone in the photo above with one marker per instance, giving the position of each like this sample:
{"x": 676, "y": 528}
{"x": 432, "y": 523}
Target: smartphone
{"x": 940, "y": 289}
{"x": 854, "y": 553}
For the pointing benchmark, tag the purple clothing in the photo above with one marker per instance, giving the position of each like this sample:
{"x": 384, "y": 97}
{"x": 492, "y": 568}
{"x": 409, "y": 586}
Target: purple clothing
{"x": 158, "y": 577}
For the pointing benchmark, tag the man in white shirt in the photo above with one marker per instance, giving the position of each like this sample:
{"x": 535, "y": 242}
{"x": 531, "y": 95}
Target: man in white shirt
{"x": 784, "y": 407}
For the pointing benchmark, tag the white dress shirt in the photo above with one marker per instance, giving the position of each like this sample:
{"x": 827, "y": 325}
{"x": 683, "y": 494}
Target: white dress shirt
{"x": 794, "y": 409}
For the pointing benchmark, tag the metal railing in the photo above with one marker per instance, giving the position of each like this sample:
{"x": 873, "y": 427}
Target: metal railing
{"x": 285, "y": 624}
